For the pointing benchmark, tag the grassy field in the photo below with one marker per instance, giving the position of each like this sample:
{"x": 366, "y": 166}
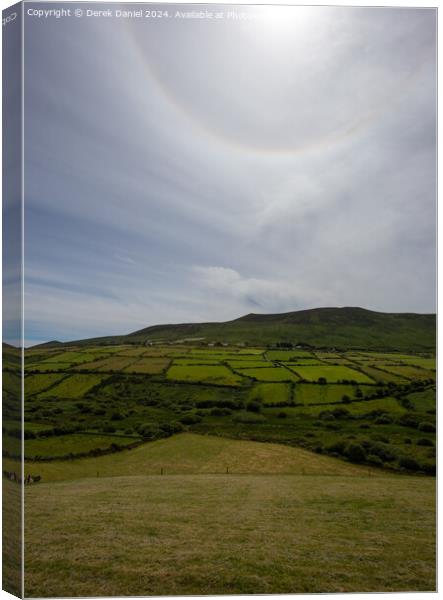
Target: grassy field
{"x": 150, "y": 366}
{"x": 244, "y": 478}
{"x": 269, "y": 374}
{"x": 331, "y": 373}
{"x": 35, "y": 384}
{"x": 205, "y": 373}
{"x": 72, "y": 444}
{"x": 74, "y": 386}
{"x": 271, "y": 393}
{"x": 363, "y": 407}
{"x": 202, "y": 531}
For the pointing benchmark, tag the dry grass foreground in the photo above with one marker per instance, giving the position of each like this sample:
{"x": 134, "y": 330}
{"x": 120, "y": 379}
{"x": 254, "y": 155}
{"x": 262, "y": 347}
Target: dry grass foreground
{"x": 209, "y": 534}
{"x": 335, "y": 529}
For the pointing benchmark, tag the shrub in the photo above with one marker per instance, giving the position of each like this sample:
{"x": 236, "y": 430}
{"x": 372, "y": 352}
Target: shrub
{"x": 249, "y": 418}
{"x": 336, "y": 447}
{"x": 346, "y": 399}
{"x": 218, "y": 412}
{"x": 409, "y": 463}
{"x": 383, "y": 420}
{"x": 355, "y": 452}
{"x": 117, "y": 416}
{"x": 282, "y": 415}
{"x": 374, "y": 460}
{"x": 341, "y": 413}
{"x": 408, "y": 441}
{"x": 253, "y": 406}
{"x": 383, "y": 451}
{"x": 190, "y": 419}
{"x": 425, "y": 442}
{"x": 149, "y": 431}
{"x": 108, "y": 429}
{"x": 426, "y": 427}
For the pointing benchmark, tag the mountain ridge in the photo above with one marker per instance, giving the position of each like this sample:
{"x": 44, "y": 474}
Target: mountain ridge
{"x": 341, "y": 327}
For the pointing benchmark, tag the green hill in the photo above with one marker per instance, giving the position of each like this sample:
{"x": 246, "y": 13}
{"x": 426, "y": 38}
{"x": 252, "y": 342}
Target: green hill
{"x": 348, "y": 327}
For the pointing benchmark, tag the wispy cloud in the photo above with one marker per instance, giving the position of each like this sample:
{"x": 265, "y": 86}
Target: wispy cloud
{"x": 293, "y": 168}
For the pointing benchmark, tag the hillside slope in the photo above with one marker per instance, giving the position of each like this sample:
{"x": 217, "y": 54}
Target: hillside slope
{"x": 348, "y": 327}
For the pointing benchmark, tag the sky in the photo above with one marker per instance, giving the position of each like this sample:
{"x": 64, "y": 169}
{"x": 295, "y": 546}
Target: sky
{"x": 188, "y": 170}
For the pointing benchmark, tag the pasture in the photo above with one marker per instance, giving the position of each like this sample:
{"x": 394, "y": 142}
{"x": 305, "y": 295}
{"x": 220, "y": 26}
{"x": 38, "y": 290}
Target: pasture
{"x": 206, "y": 373}
{"x": 132, "y": 531}
{"x": 244, "y": 479}
{"x": 332, "y": 374}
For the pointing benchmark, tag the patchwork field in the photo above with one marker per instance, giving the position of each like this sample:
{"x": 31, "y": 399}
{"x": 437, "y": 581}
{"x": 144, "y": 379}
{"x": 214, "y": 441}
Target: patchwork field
{"x": 74, "y": 386}
{"x": 271, "y": 394}
{"x": 331, "y": 373}
{"x": 206, "y": 373}
{"x": 243, "y": 478}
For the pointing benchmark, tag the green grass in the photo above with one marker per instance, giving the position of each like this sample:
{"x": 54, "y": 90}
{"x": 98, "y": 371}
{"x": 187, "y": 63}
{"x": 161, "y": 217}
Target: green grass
{"x": 380, "y": 376}
{"x": 271, "y": 393}
{"x": 249, "y": 364}
{"x": 196, "y": 361}
{"x": 303, "y": 361}
{"x": 357, "y": 408}
{"x": 270, "y": 374}
{"x": 424, "y": 401}
{"x": 75, "y": 386}
{"x": 130, "y": 532}
{"x": 287, "y": 355}
{"x": 71, "y": 358}
{"x": 331, "y": 373}
{"x": 409, "y": 372}
{"x": 43, "y": 367}
{"x": 38, "y": 383}
{"x": 424, "y": 363}
{"x": 220, "y": 375}
{"x": 74, "y": 443}
{"x": 114, "y": 363}
{"x": 311, "y": 393}
{"x": 150, "y": 366}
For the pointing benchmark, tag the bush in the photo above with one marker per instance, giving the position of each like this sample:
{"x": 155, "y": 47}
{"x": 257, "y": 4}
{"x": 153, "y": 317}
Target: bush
{"x": 117, "y": 416}
{"x": 341, "y": 413}
{"x": 219, "y": 412}
{"x": 282, "y": 415}
{"x": 425, "y": 442}
{"x": 426, "y": 427}
{"x": 383, "y": 451}
{"x": 408, "y": 441}
{"x": 190, "y": 419}
{"x": 355, "y": 452}
{"x": 149, "y": 431}
{"x": 346, "y": 399}
{"x": 253, "y": 406}
{"x": 409, "y": 463}
{"x": 383, "y": 420}
{"x": 374, "y": 460}
{"x": 108, "y": 429}
{"x": 336, "y": 447}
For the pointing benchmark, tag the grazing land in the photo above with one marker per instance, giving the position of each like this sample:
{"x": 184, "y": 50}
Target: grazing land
{"x": 227, "y": 467}
{"x": 204, "y": 531}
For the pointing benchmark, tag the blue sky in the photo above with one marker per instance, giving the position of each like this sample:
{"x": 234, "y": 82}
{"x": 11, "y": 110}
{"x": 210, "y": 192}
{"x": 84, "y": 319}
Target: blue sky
{"x": 187, "y": 170}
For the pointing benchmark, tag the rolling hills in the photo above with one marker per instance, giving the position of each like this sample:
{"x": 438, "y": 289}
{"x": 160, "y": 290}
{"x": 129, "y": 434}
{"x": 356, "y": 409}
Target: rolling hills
{"x": 347, "y": 327}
